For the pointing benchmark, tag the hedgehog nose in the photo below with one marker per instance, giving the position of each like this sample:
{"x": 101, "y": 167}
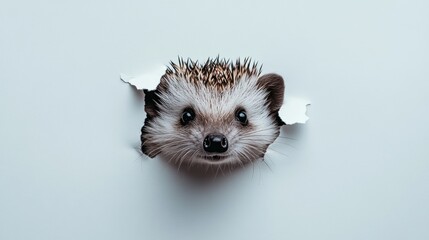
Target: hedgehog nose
{"x": 215, "y": 143}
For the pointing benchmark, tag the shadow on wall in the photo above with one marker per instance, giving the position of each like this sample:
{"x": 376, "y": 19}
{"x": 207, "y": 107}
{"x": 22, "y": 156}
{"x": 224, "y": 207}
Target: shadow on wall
{"x": 293, "y": 132}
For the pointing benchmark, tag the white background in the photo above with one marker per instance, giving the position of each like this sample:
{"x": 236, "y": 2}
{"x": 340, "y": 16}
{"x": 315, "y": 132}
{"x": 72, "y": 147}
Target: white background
{"x": 68, "y": 126}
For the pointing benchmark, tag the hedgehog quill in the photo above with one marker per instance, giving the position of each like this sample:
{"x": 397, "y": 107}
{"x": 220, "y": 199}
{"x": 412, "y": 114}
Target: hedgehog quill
{"x": 217, "y": 113}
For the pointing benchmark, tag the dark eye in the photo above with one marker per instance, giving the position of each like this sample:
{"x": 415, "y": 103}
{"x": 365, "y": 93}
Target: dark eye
{"x": 187, "y": 116}
{"x": 241, "y": 116}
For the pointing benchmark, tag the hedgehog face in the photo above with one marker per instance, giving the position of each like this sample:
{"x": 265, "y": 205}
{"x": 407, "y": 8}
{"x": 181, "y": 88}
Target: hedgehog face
{"x": 192, "y": 122}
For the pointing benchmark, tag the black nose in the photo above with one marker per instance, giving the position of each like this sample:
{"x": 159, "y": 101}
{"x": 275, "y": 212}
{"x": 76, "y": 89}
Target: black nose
{"x": 215, "y": 143}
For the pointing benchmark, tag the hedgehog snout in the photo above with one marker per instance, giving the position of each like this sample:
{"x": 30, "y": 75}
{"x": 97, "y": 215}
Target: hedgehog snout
{"x": 215, "y": 143}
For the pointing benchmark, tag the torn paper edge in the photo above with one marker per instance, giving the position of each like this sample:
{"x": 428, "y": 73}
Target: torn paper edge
{"x": 148, "y": 80}
{"x": 294, "y": 110}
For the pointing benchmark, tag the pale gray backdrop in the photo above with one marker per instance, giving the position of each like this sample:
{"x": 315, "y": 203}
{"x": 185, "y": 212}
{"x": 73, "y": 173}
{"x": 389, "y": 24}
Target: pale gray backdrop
{"x": 68, "y": 126}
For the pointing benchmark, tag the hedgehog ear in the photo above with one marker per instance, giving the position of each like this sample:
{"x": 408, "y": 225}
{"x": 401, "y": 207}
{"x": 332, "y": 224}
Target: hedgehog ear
{"x": 274, "y": 85}
{"x": 150, "y": 99}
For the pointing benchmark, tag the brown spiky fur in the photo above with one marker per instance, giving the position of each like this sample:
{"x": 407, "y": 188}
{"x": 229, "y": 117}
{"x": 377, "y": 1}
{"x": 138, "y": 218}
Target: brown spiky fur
{"x": 218, "y": 73}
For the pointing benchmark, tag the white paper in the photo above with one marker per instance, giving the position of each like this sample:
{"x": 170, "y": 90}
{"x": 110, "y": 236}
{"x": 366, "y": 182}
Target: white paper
{"x": 293, "y": 110}
{"x": 148, "y": 80}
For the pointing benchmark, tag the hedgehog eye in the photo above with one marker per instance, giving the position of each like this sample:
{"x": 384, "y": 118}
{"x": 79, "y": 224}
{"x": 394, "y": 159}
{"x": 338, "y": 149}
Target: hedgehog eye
{"x": 187, "y": 116}
{"x": 241, "y": 116}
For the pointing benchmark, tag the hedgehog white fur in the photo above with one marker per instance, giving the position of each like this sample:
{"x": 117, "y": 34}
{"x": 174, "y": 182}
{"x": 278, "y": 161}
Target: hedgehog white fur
{"x": 217, "y": 113}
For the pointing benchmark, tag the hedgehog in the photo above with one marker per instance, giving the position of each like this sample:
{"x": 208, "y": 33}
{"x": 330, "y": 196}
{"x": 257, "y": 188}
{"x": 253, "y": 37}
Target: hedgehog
{"x": 216, "y": 113}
